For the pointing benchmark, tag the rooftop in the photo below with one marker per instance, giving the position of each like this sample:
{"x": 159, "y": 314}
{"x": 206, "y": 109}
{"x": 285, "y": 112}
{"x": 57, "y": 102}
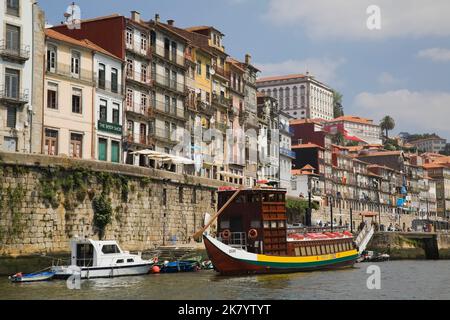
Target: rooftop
{"x": 306, "y": 146}
{"x": 286, "y": 77}
{"x": 354, "y": 119}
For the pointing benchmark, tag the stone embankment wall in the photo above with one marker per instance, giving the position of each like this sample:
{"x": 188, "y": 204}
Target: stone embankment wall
{"x": 45, "y": 201}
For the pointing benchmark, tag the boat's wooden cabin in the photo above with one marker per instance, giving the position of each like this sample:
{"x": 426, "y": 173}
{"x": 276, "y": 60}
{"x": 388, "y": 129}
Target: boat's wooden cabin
{"x": 256, "y": 220}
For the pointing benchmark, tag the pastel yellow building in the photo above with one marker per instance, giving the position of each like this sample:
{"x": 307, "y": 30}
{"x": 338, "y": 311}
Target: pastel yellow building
{"x": 68, "y": 97}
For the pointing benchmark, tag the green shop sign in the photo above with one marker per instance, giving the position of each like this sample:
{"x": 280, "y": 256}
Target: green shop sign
{"x": 109, "y": 127}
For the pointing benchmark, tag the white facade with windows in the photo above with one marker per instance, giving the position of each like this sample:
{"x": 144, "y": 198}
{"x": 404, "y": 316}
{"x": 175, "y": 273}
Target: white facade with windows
{"x": 16, "y": 74}
{"x": 108, "y": 108}
{"x": 300, "y": 96}
{"x": 286, "y": 154}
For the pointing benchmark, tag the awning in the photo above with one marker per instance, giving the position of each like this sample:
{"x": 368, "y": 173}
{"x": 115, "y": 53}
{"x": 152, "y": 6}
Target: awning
{"x": 368, "y": 214}
{"x": 163, "y": 157}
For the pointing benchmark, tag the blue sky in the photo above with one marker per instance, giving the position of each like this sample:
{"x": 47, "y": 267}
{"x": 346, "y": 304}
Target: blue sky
{"x": 401, "y": 69}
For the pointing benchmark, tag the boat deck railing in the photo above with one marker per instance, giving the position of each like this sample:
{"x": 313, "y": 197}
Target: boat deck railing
{"x": 305, "y": 230}
{"x": 236, "y": 240}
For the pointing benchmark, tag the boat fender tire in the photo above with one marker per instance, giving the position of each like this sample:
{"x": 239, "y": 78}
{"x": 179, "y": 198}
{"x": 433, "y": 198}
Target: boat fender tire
{"x": 253, "y": 234}
{"x": 226, "y": 234}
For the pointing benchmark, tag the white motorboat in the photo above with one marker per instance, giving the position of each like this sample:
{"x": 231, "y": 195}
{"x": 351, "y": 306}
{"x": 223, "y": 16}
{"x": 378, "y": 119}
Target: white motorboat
{"x": 101, "y": 259}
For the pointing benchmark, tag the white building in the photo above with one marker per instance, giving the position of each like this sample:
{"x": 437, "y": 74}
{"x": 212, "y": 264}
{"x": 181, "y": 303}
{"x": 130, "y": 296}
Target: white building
{"x": 356, "y": 129}
{"x": 286, "y": 154}
{"x": 300, "y": 96}
{"x": 433, "y": 144}
{"x": 108, "y": 107}
{"x": 16, "y": 75}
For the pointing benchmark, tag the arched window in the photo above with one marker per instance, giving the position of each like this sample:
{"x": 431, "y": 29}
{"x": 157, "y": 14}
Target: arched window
{"x": 281, "y": 98}
{"x": 275, "y": 93}
{"x": 288, "y": 98}
{"x": 269, "y": 92}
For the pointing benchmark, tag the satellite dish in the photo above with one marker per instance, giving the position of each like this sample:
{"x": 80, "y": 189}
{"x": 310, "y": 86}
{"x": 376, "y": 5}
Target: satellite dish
{"x": 212, "y": 71}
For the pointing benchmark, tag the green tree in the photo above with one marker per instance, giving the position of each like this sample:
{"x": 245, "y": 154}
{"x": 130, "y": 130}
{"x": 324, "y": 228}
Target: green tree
{"x": 338, "y": 109}
{"x": 338, "y": 139}
{"x": 387, "y": 124}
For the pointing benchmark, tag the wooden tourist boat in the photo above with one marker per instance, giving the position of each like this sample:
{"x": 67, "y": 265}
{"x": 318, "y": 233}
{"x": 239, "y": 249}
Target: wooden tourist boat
{"x": 253, "y": 237}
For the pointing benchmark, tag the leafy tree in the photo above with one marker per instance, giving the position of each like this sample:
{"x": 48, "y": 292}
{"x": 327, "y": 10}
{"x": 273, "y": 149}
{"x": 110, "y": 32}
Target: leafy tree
{"x": 338, "y": 109}
{"x": 338, "y": 139}
{"x": 387, "y": 124}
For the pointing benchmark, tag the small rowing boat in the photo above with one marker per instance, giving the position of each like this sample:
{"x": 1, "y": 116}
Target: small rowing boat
{"x": 32, "y": 277}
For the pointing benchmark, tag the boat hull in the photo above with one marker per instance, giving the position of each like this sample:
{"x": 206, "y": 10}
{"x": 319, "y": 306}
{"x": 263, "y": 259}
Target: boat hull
{"x": 104, "y": 272}
{"x": 36, "y": 277}
{"x": 230, "y": 261}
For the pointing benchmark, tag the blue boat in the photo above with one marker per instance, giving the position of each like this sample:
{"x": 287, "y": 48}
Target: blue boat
{"x": 180, "y": 266}
{"x": 32, "y": 277}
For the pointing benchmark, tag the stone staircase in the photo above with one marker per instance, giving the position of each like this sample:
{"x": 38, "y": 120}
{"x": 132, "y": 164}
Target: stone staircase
{"x": 174, "y": 253}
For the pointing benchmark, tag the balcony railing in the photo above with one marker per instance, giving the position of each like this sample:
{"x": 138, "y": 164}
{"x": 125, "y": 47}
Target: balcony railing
{"x": 18, "y": 53}
{"x": 65, "y": 70}
{"x": 287, "y": 153}
{"x": 169, "y": 110}
{"x": 14, "y": 96}
{"x": 220, "y": 71}
{"x": 113, "y": 87}
{"x": 169, "y": 55}
{"x": 221, "y": 100}
{"x": 165, "y": 134}
{"x": 140, "y": 109}
{"x": 139, "y": 77}
{"x": 169, "y": 83}
{"x": 140, "y": 139}
{"x": 136, "y": 48}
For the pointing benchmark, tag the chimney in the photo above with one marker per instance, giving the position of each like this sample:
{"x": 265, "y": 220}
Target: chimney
{"x": 135, "y": 16}
{"x": 248, "y": 58}
{"x": 170, "y": 22}
{"x": 157, "y": 17}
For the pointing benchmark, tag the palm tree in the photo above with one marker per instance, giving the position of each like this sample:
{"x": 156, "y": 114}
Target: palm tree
{"x": 387, "y": 124}
{"x": 338, "y": 109}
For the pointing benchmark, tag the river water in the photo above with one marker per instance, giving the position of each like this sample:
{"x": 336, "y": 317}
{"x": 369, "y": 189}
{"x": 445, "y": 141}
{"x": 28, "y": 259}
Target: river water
{"x": 399, "y": 280}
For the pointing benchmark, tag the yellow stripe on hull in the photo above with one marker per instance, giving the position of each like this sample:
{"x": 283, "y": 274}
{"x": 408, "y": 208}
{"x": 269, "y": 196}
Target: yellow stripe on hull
{"x": 344, "y": 254}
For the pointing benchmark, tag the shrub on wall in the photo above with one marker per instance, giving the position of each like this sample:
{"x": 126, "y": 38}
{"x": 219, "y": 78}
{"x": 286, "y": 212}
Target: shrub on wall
{"x": 102, "y": 213}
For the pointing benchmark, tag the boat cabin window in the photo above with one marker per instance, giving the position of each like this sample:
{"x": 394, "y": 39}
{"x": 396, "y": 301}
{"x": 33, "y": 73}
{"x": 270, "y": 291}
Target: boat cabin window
{"x": 130, "y": 260}
{"x": 297, "y": 251}
{"x": 303, "y": 251}
{"x": 110, "y": 248}
{"x": 341, "y": 248}
{"x": 313, "y": 251}
{"x": 273, "y": 224}
{"x": 225, "y": 224}
{"x": 255, "y": 224}
{"x": 281, "y": 224}
{"x": 329, "y": 249}
{"x": 266, "y": 225}
{"x": 324, "y": 249}
{"x": 308, "y": 251}
{"x": 85, "y": 255}
{"x": 119, "y": 261}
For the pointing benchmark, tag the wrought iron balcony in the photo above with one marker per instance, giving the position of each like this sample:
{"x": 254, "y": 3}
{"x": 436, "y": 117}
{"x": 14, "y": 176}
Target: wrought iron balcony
{"x": 140, "y": 78}
{"x": 66, "y": 70}
{"x": 144, "y": 110}
{"x": 221, "y": 100}
{"x": 15, "y": 53}
{"x": 169, "y": 55}
{"x": 136, "y": 48}
{"x": 14, "y": 96}
{"x": 113, "y": 87}
{"x": 169, "y": 110}
{"x": 168, "y": 83}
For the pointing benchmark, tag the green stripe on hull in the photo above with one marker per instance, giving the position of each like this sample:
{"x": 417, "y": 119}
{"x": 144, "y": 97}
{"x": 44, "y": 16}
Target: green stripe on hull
{"x": 287, "y": 265}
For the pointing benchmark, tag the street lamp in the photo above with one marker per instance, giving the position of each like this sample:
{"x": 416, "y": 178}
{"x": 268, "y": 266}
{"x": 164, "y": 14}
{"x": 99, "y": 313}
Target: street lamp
{"x": 330, "y": 200}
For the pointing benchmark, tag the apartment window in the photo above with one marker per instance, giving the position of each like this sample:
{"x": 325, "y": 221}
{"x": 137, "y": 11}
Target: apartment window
{"x": 144, "y": 99}
{"x": 76, "y": 101}
{"x": 12, "y": 7}
{"x": 174, "y": 106}
{"x": 143, "y": 133}
{"x": 130, "y": 68}
{"x": 51, "y": 142}
{"x": 116, "y": 113}
{"x": 167, "y": 104}
{"x": 144, "y": 42}
{"x": 130, "y": 98}
{"x": 167, "y": 77}
{"x": 152, "y": 37}
{"x": 12, "y": 38}
{"x": 102, "y": 149}
{"x": 12, "y": 81}
{"x": 129, "y": 37}
{"x": 76, "y": 143}
{"x": 51, "y": 58}
{"x": 144, "y": 73}
{"x": 208, "y": 71}
{"x": 173, "y": 81}
{"x": 130, "y": 127}
{"x": 174, "y": 51}
{"x": 115, "y": 151}
{"x": 75, "y": 64}
{"x": 199, "y": 67}
{"x": 101, "y": 75}
{"x": 52, "y": 96}
{"x": 114, "y": 80}
{"x": 11, "y": 117}
{"x": 103, "y": 111}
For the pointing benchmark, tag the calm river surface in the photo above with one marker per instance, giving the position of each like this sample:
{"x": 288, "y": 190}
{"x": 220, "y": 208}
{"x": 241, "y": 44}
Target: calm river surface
{"x": 399, "y": 280}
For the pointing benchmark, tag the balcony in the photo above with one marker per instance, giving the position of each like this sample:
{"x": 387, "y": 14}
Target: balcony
{"x": 170, "y": 84}
{"x": 222, "y": 127}
{"x": 205, "y": 107}
{"x": 18, "y": 54}
{"x": 140, "y": 109}
{"x": 169, "y": 55}
{"x": 109, "y": 127}
{"x": 287, "y": 153}
{"x": 109, "y": 86}
{"x": 220, "y": 71}
{"x": 165, "y": 135}
{"x": 221, "y": 100}
{"x": 66, "y": 70}
{"x": 169, "y": 111}
{"x": 139, "y": 78}
{"x": 139, "y": 139}
{"x": 137, "y": 49}
{"x": 13, "y": 96}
